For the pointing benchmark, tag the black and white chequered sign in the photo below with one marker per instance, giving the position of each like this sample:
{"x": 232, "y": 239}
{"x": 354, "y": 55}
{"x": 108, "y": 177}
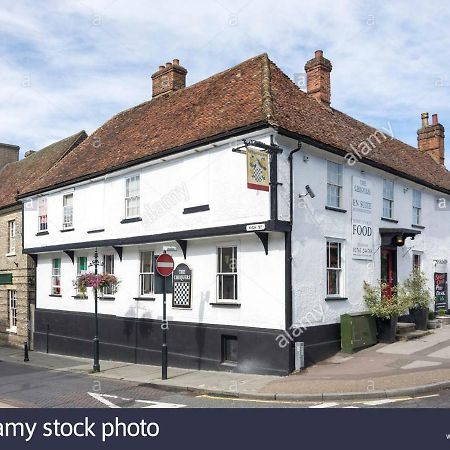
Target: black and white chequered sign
{"x": 258, "y": 173}
{"x": 182, "y": 286}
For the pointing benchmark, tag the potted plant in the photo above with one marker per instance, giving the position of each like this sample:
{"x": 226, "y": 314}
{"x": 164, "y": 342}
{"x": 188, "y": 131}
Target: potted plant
{"x": 419, "y": 298}
{"x": 99, "y": 282}
{"x": 385, "y": 304}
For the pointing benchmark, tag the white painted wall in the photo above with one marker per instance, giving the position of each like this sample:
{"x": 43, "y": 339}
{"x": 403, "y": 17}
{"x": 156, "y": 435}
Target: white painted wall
{"x": 313, "y": 224}
{"x": 260, "y": 284}
{"x": 216, "y": 177}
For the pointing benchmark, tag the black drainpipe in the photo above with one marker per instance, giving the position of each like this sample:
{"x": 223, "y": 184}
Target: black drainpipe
{"x": 288, "y": 256}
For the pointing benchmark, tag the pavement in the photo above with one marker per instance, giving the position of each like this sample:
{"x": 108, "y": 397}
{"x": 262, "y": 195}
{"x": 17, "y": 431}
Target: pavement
{"x": 403, "y": 369}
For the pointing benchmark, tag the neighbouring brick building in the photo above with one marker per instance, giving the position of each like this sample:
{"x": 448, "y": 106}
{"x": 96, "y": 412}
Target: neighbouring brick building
{"x": 17, "y": 271}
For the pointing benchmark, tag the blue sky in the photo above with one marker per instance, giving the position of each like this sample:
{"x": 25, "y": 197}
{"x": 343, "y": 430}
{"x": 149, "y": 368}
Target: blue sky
{"x": 71, "y": 65}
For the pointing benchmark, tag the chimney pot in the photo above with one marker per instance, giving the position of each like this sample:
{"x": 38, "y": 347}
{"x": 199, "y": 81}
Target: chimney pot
{"x": 29, "y": 153}
{"x": 435, "y": 119}
{"x": 424, "y": 117}
{"x": 168, "y": 79}
{"x": 318, "y": 79}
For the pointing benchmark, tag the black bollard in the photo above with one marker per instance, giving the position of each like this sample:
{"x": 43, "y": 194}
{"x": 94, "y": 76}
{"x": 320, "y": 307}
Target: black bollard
{"x": 25, "y": 351}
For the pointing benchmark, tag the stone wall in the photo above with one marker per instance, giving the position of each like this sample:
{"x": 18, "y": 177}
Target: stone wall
{"x": 23, "y": 281}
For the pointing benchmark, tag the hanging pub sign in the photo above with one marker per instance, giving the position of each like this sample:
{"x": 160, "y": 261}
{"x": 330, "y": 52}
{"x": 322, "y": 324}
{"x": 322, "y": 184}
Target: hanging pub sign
{"x": 440, "y": 291}
{"x": 182, "y": 286}
{"x": 362, "y": 227}
{"x": 257, "y": 170}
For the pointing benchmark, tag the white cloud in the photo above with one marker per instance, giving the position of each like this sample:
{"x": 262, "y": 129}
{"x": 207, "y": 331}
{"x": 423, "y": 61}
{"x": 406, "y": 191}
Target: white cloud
{"x": 87, "y": 60}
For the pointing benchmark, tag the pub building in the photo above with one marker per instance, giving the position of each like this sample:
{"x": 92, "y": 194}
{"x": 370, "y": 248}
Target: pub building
{"x": 277, "y": 205}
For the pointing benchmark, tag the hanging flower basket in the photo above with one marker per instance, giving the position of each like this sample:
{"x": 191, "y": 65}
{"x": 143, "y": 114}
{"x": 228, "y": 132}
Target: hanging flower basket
{"x": 98, "y": 282}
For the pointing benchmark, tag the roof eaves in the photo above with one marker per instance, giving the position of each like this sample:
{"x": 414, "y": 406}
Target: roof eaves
{"x": 369, "y": 162}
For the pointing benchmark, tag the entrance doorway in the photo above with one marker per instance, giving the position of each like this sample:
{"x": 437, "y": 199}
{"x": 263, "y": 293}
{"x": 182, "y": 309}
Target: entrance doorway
{"x": 389, "y": 269}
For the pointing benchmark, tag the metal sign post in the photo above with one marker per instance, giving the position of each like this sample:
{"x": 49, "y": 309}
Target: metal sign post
{"x": 164, "y": 266}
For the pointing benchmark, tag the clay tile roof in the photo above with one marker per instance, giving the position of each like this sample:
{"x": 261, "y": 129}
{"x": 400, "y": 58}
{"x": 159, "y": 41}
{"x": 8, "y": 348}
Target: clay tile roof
{"x": 255, "y": 92}
{"x": 19, "y": 175}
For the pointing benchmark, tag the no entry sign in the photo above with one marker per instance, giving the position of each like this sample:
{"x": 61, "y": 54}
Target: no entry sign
{"x": 164, "y": 265}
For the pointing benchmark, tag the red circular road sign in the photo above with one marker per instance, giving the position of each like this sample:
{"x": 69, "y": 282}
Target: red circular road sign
{"x": 164, "y": 265}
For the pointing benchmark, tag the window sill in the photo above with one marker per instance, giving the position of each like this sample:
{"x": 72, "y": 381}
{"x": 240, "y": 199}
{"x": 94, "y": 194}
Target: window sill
{"x": 11, "y": 330}
{"x": 333, "y": 208}
{"x": 419, "y": 227}
{"x": 9, "y": 255}
{"x": 99, "y": 230}
{"x": 226, "y": 304}
{"x": 107, "y": 298}
{"x": 55, "y": 295}
{"x": 42, "y": 233}
{"x": 131, "y": 220}
{"x": 144, "y": 299}
{"x": 387, "y": 219}
{"x": 66, "y": 230}
{"x": 80, "y": 297}
{"x": 328, "y": 299}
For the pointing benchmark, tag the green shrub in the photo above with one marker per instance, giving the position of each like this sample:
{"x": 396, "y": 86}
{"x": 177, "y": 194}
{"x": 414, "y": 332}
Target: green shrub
{"x": 416, "y": 290}
{"x": 381, "y": 305}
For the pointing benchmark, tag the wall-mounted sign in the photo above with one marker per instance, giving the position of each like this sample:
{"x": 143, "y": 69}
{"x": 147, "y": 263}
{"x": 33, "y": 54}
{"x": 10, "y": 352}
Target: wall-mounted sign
{"x": 182, "y": 286}
{"x": 440, "y": 291}
{"x": 5, "y": 278}
{"x": 256, "y": 227}
{"x": 362, "y": 227}
{"x": 257, "y": 170}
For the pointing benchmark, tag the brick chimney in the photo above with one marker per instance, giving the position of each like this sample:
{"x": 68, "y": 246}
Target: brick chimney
{"x": 8, "y": 154}
{"x": 318, "y": 72}
{"x": 169, "y": 78}
{"x": 430, "y": 138}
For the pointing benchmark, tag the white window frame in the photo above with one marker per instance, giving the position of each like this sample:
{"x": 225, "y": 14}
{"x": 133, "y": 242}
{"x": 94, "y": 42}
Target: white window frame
{"x": 67, "y": 212}
{"x": 108, "y": 290}
{"x": 419, "y": 255}
{"x": 389, "y": 199}
{"x": 417, "y": 207}
{"x": 11, "y": 237}
{"x": 331, "y": 184}
{"x": 340, "y": 269}
{"x": 143, "y": 274}
{"x": 12, "y": 311}
{"x": 136, "y": 197}
{"x": 234, "y": 272}
{"x": 56, "y": 275}
{"x": 79, "y": 271}
{"x": 42, "y": 207}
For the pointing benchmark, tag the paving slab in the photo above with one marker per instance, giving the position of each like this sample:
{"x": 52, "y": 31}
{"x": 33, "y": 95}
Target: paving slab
{"x": 421, "y": 364}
